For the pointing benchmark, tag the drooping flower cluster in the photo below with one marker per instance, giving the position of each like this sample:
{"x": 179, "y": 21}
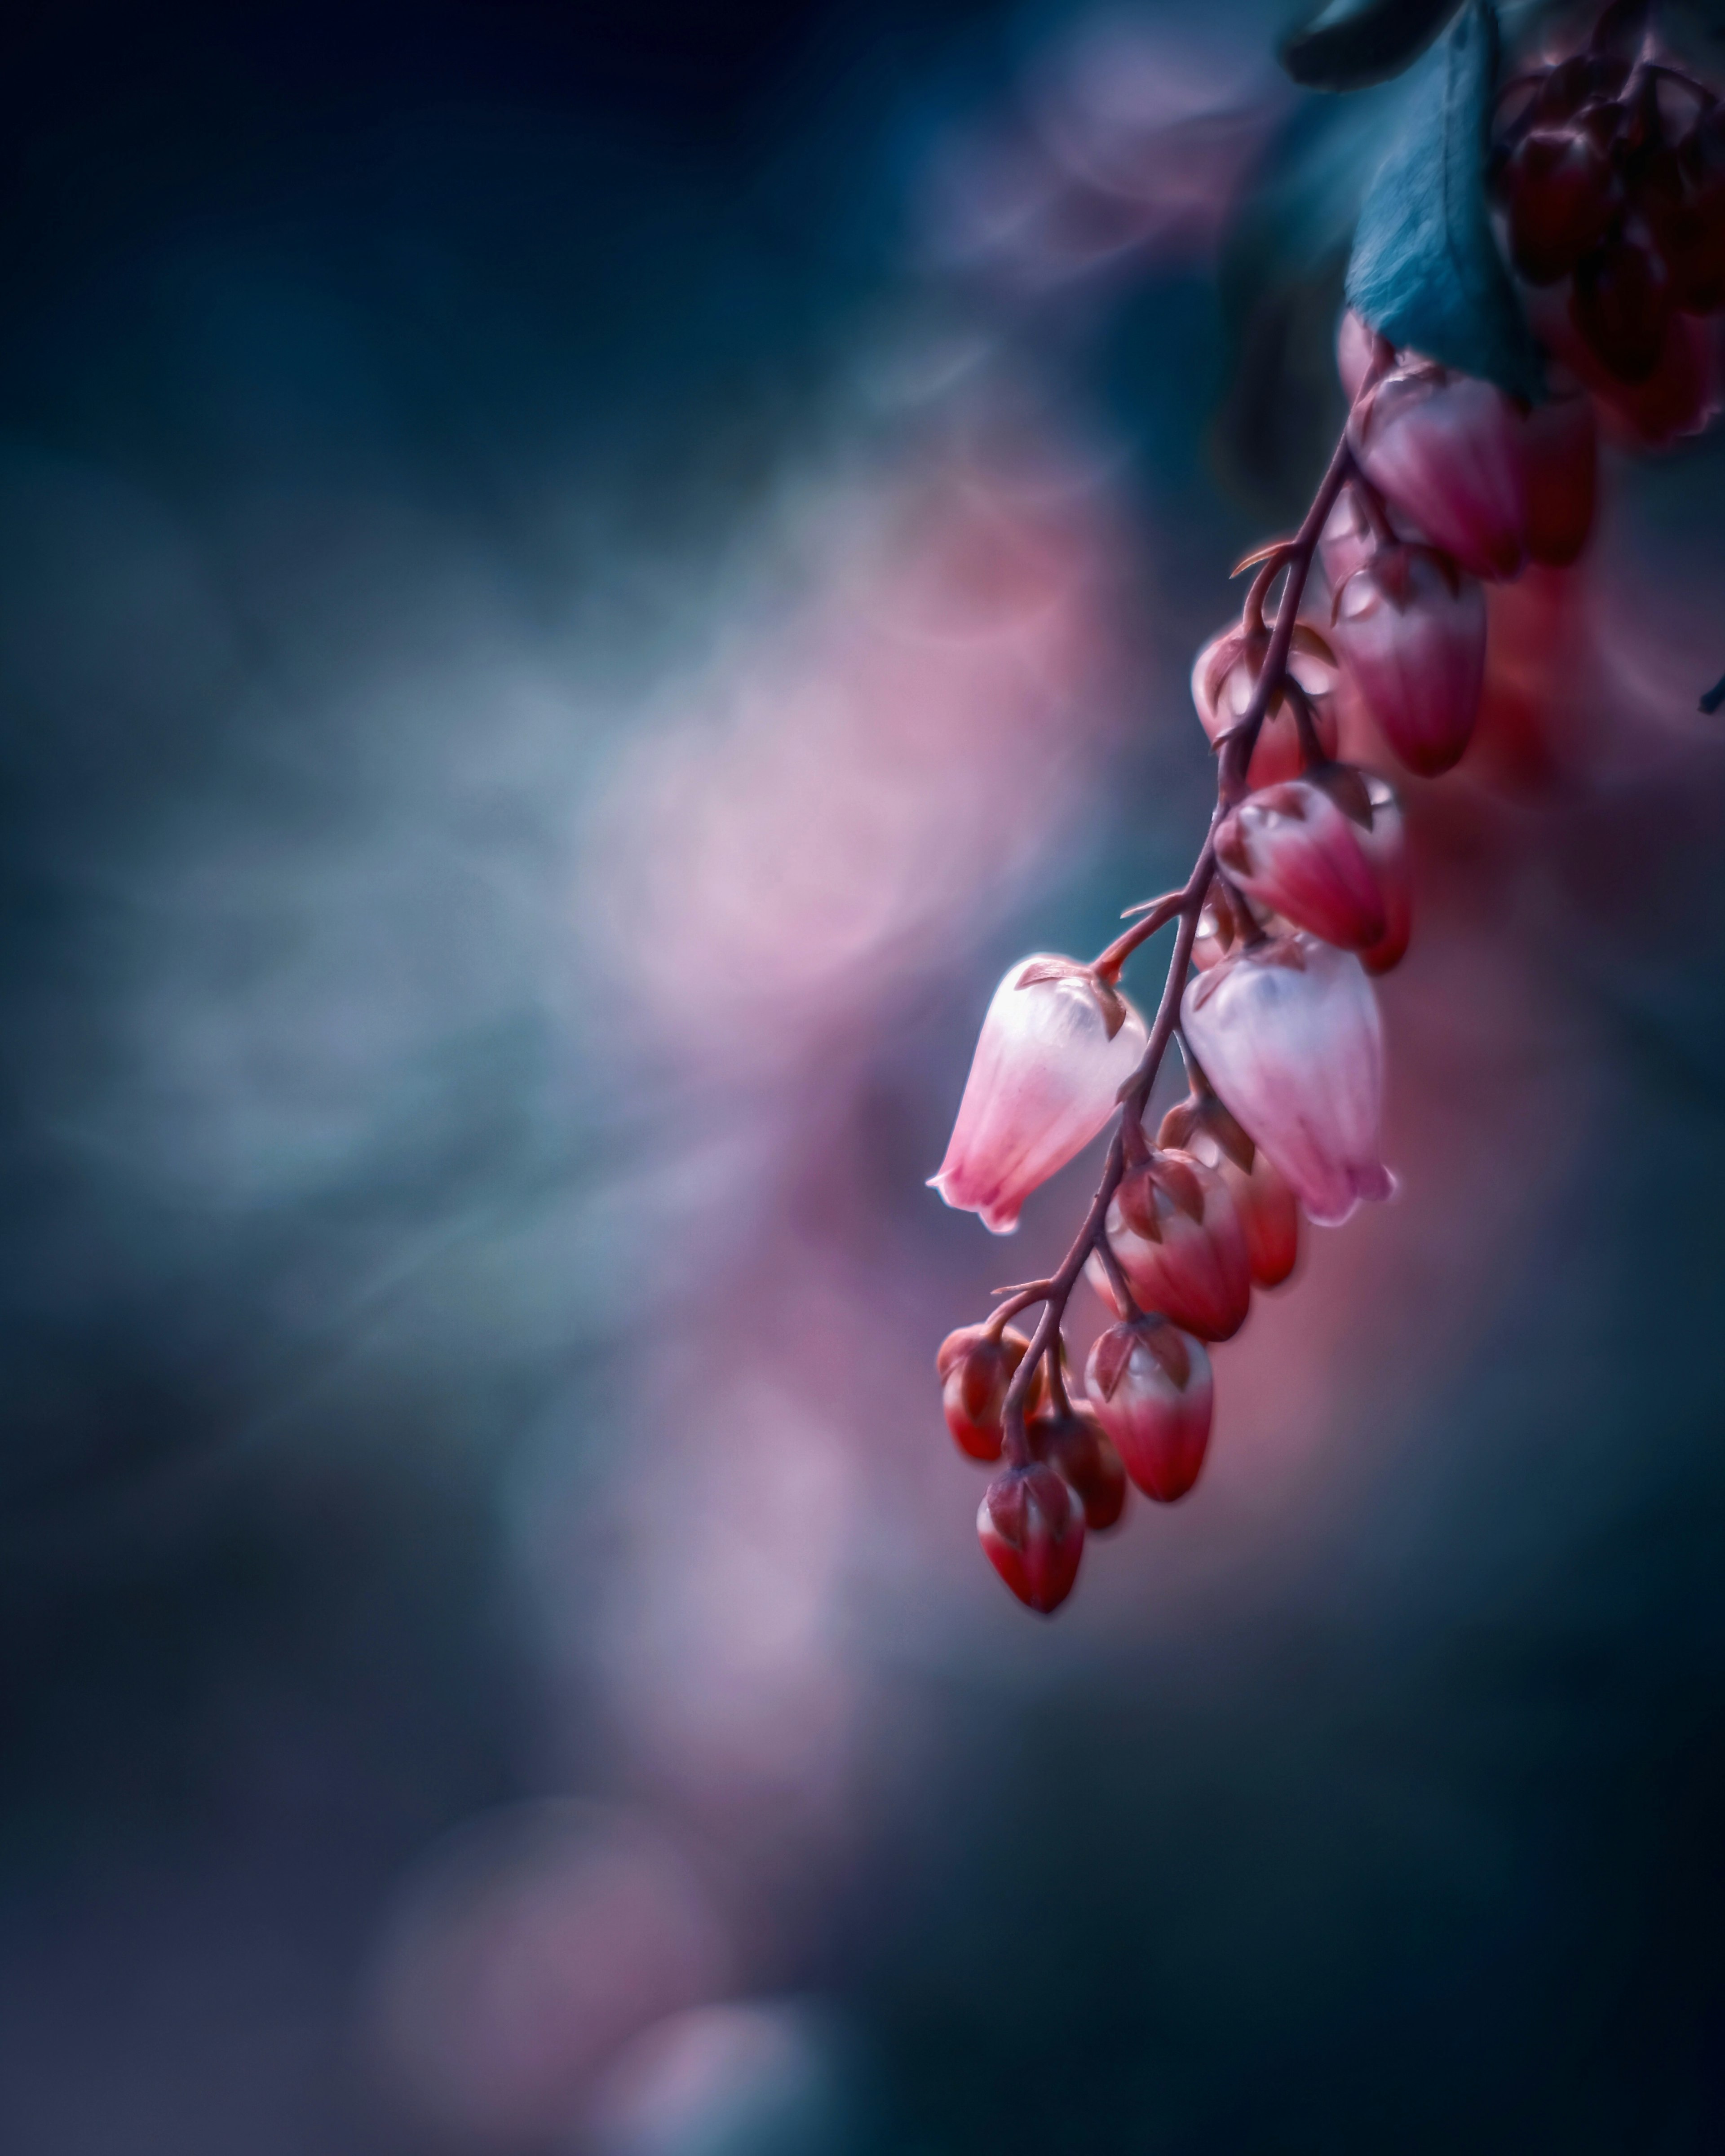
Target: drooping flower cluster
{"x": 1610, "y": 171}
{"x": 1440, "y": 485}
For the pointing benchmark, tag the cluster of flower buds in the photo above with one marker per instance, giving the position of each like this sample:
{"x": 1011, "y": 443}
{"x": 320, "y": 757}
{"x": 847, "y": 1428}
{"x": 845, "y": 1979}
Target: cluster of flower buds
{"x": 1440, "y": 484}
{"x": 1609, "y": 168}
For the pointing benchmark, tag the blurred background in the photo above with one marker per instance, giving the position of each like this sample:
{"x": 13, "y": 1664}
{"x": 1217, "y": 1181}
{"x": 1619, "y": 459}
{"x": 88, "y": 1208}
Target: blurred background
{"x": 576, "y": 580}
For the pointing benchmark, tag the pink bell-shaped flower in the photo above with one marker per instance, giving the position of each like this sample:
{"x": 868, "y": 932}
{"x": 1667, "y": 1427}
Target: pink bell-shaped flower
{"x": 1056, "y": 1046}
{"x": 1412, "y": 630}
{"x": 1150, "y": 1384}
{"x": 1294, "y": 851}
{"x": 1031, "y": 1528}
{"x": 1224, "y": 675}
{"x": 1446, "y": 450}
{"x": 1175, "y": 1235}
{"x": 1288, "y": 1033}
{"x": 1386, "y": 844}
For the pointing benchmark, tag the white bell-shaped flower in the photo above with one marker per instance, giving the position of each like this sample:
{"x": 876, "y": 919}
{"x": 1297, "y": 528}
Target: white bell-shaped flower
{"x": 1056, "y": 1048}
{"x": 1288, "y": 1033}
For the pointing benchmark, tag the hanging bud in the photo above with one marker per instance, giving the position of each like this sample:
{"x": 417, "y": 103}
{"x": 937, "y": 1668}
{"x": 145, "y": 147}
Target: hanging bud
{"x": 1386, "y": 844}
{"x": 1293, "y": 851}
{"x": 1412, "y": 629}
{"x": 1151, "y": 1387}
{"x": 1173, "y": 1230}
{"x": 1444, "y": 451}
{"x": 1562, "y": 194}
{"x": 975, "y": 1371}
{"x": 1031, "y": 1529}
{"x": 1225, "y": 674}
{"x": 1620, "y": 302}
{"x": 1070, "y": 1439}
{"x": 1560, "y": 460}
{"x": 1288, "y": 1033}
{"x": 1268, "y": 1211}
{"x": 1056, "y": 1046}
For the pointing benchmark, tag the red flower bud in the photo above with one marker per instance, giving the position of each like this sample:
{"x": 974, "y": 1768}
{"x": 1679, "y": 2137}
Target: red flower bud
{"x": 1445, "y": 450}
{"x": 1412, "y": 631}
{"x": 1269, "y": 1212}
{"x": 1288, "y": 1033}
{"x": 1386, "y": 844}
{"x": 1175, "y": 1235}
{"x": 1224, "y": 676}
{"x": 975, "y": 1371}
{"x": 1560, "y": 458}
{"x": 1294, "y": 851}
{"x": 1562, "y": 194}
{"x": 1152, "y": 1390}
{"x": 1032, "y": 1531}
{"x": 1620, "y": 302}
{"x": 1072, "y": 1443}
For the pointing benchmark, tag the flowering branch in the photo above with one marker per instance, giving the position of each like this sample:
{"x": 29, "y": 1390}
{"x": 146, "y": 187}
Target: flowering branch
{"x": 1183, "y": 906}
{"x": 1440, "y": 482}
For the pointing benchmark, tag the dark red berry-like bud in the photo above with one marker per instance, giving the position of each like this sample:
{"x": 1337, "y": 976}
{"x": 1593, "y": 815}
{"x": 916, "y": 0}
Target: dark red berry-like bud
{"x": 1172, "y": 1228}
{"x": 975, "y": 1371}
{"x": 1294, "y": 852}
{"x": 1560, "y": 456}
{"x": 1031, "y": 1528}
{"x": 1070, "y": 1439}
{"x": 1621, "y": 302}
{"x": 1412, "y": 629}
{"x": 1152, "y": 1390}
{"x": 1562, "y": 194}
{"x": 1444, "y": 451}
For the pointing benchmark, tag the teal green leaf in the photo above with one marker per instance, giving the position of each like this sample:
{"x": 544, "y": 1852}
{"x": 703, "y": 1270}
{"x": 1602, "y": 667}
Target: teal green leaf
{"x": 1426, "y": 270}
{"x": 1353, "y": 42}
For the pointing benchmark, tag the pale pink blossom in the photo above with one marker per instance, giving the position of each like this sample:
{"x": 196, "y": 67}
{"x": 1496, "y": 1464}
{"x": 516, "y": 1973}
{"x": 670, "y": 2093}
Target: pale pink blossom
{"x": 1056, "y": 1048}
{"x": 1288, "y": 1033}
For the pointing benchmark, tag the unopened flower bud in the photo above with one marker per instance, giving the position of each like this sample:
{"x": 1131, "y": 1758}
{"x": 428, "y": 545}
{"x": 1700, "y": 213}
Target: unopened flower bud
{"x": 1056, "y": 1046}
{"x": 1151, "y": 1387}
{"x": 1291, "y": 848}
{"x": 1445, "y": 450}
{"x": 1269, "y": 1212}
{"x": 1070, "y": 1439}
{"x": 1412, "y": 629}
{"x": 975, "y": 1371}
{"x": 1175, "y": 1235}
{"x": 1560, "y": 460}
{"x": 1225, "y": 674}
{"x": 1386, "y": 844}
{"x": 1288, "y": 1033}
{"x": 1031, "y": 1528}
